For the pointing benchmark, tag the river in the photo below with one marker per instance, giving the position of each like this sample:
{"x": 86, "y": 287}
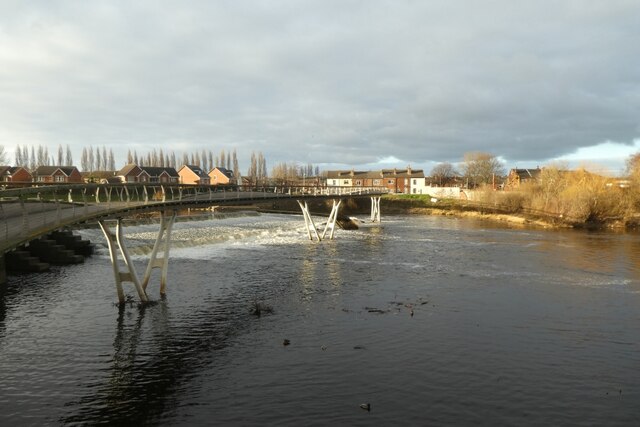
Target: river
{"x": 428, "y": 320}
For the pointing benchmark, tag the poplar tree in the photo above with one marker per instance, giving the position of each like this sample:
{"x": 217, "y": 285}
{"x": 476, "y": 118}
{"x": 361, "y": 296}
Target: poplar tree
{"x": 60, "y": 155}
{"x": 69, "y": 158}
{"x": 84, "y": 160}
{"x": 25, "y": 157}
{"x": 18, "y": 155}
{"x": 98, "y": 159}
{"x": 236, "y": 167}
{"x": 112, "y": 161}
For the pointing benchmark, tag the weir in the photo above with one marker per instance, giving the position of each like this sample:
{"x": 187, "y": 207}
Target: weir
{"x": 117, "y": 244}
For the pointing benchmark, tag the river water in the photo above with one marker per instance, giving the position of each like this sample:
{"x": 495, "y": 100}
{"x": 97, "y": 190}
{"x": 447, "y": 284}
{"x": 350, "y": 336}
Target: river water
{"x": 429, "y": 320}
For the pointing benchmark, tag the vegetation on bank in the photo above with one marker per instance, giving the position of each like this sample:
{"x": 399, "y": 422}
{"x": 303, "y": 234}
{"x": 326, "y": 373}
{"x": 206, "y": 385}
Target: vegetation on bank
{"x": 570, "y": 198}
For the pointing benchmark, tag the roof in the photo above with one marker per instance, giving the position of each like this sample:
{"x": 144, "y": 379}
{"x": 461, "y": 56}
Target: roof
{"x": 127, "y": 169}
{"x": 196, "y": 169}
{"x": 50, "y": 170}
{"x": 159, "y": 170}
{"x": 344, "y": 174}
{"x": 527, "y": 173}
{"x": 226, "y": 172}
{"x": 384, "y": 173}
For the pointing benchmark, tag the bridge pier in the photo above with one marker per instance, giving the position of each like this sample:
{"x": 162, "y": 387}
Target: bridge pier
{"x": 164, "y": 240}
{"x": 311, "y": 226}
{"x": 375, "y": 209}
{"x": 116, "y": 244}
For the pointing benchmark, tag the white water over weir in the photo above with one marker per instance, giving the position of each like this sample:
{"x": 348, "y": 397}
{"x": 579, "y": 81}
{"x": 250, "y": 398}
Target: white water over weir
{"x": 117, "y": 245}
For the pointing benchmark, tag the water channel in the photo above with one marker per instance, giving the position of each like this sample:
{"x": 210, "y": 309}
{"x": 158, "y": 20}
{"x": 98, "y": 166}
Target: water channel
{"x": 428, "y": 320}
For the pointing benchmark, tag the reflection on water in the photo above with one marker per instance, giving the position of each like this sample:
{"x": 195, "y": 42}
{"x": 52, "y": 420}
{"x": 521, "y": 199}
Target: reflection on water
{"x": 430, "y": 320}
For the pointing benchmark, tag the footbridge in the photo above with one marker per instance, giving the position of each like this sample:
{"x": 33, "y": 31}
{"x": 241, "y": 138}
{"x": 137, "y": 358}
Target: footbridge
{"x": 33, "y": 211}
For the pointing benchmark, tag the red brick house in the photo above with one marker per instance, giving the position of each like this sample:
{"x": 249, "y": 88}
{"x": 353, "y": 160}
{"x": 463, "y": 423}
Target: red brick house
{"x": 15, "y": 174}
{"x": 57, "y": 174}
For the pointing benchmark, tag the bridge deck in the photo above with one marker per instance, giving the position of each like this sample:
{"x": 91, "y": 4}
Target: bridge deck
{"x": 25, "y": 217}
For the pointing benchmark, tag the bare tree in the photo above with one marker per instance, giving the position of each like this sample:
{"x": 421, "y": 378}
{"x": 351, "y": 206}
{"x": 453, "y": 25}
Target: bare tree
{"x": 442, "y": 172}
{"x": 481, "y": 168}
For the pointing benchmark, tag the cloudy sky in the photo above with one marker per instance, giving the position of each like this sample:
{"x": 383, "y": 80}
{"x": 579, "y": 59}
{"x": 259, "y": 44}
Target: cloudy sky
{"x": 341, "y": 84}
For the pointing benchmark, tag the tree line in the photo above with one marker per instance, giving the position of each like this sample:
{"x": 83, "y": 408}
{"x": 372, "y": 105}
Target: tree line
{"x": 39, "y": 156}
{"x": 477, "y": 168}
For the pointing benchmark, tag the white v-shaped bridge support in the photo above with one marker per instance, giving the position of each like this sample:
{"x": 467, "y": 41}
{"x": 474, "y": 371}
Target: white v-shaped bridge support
{"x": 375, "y": 209}
{"x": 116, "y": 244}
{"x": 311, "y": 226}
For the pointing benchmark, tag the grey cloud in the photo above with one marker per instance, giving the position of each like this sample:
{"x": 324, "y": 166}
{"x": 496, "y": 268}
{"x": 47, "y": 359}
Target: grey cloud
{"x": 324, "y": 82}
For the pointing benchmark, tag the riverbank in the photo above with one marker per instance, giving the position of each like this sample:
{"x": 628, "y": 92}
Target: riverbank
{"x": 424, "y": 205}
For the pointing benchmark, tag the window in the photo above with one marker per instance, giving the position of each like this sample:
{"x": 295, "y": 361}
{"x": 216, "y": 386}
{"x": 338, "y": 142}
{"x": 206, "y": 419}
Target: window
{"x": 376, "y": 182}
{"x": 415, "y": 182}
{"x": 358, "y": 182}
{"x": 390, "y": 181}
{"x": 40, "y": 179}
{"x": 334, "y": 182}
{"x": 345, "y": 181}
{"x": 58, "y": 178}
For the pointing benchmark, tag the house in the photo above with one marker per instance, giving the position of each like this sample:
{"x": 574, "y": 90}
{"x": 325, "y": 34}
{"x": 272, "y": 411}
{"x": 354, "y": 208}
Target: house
{"x": 341, "y": 178}
{"x": 161, "y": 174}
{"x": 400, "y": 181}
{"x": 191, "y": 174}
{"x": 221, "y": 176}
{"x": 15, "y": 174}
{"x": 132, "y": 173}
{"x": 395, "y": 180}
{"x": 57, "y": 174}
{"x": 518, "y": 177}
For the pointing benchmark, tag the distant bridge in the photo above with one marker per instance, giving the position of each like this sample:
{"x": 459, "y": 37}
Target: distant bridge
{"x": 30, "y": 212}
